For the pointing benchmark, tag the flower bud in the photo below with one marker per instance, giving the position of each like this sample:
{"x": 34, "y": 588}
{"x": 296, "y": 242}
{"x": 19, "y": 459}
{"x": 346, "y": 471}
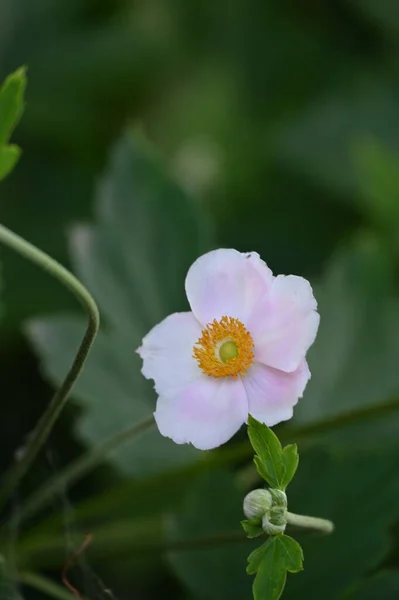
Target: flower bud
{"x": 257, "y": 503}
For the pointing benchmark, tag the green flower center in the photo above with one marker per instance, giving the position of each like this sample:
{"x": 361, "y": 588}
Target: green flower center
{"x": 227, "y": 351}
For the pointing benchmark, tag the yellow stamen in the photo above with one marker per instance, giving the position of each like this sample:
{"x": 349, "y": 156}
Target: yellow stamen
{"x": 224, "y": 348}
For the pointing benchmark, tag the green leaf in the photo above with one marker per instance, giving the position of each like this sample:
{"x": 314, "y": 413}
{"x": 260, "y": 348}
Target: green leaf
{"x": 353, "y": 359}
{"x": 275, "y": 465}
{"x": 212, "y": 507}
{"x": 352, "y": 489}
{"x": 11, "y": 108}
{"x": 11, "y": 103}
{"x": 252, "y": 527}
{"x": 256, "y": 557}
{"x": 290, "y": 460}
{"x": 9, "y": 156}
{"x": 337, "y": 486}
{"x": 269, "y": 453}
{"x": 271, "y": 562}
{"x": 134, "y": 261}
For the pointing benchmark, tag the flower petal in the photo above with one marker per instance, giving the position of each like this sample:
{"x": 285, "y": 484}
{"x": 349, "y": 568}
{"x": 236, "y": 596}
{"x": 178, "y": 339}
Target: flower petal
{"x": 226, "y": 283}
{"x": 207, "y": 413}
{"x": 272, "y": 393}
{"x": 167, "y": 352}
{"x": 285, "y": 323}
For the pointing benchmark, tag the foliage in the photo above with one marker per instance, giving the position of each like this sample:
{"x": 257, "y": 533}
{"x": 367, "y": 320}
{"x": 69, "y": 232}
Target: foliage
{"x": 278, "y": 123}
{"x": 275, "y": 464}
{"x": 270, "y": 562}
{"x": 280, "y": 553}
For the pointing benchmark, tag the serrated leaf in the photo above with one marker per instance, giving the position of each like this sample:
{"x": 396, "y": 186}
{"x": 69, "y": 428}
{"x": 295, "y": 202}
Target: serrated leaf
{"x": 275, "y": 465}
{"x": 256, "y": 557}
{"x": 271, "y": 562}
{"x": 11, "y": 103}
{"x": 134, "y": 261}
{"x": 353, "y": 360}
{"x": 252, "y": 527}
{"x": 9, "y": 156}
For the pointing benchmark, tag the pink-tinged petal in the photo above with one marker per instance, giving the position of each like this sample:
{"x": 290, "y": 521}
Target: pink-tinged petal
{"x": 226, "y": 283}
{"x": 167, "y": 352}
{"x": 206, "y": 413}
{"x": 284, "y": 325}
{"x": 272, "y": 394}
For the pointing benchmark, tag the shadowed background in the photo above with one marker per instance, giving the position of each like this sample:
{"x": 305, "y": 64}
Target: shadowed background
{"x": 154, "y": 131}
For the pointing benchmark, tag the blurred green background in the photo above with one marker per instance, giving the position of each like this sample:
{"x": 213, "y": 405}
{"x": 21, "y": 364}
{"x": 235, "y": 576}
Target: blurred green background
{"x": 156, "y": 130}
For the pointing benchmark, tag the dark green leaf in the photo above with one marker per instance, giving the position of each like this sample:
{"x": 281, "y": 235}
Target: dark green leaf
{"x": 359, "y": 314}
{"x": 252, "y": 527}
{"x": 338, "y": 487}
{"x": 134, "y": 262}
{"x": 330, "y": 485}
{"x": 271, "y": 562}
{"x": 11, "y": 103}
{"x": 212, "y": 508}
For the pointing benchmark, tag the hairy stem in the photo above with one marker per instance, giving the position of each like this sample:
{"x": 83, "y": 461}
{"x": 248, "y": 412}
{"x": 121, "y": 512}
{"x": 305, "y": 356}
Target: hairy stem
{"x": 310, "y": 523}
{"x": 48, "y": 419}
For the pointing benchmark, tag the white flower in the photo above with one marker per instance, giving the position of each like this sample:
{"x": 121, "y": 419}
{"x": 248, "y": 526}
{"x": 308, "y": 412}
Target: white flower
{"x": 241, "y": 350}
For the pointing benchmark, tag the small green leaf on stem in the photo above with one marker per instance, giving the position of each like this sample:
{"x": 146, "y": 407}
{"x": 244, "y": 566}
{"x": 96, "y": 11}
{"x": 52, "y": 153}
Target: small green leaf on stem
{"x": 252, "y": 527}
{"x": 275, "y": 464}
{"x": 271, "y": 562}
{"x": 290, "y": 460}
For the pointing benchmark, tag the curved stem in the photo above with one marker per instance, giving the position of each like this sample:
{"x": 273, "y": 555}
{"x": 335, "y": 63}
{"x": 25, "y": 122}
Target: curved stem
{"x": 78, "y": 469}
{"x": 48, "y": 419}
{"x": 312, "y": 523}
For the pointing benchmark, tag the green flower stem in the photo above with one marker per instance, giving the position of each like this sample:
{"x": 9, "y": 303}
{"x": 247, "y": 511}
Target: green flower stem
{"x": 48, "y": 419}
{"x": 309, "y": 523}
{"x": 78, "y": 469}
{"x": 42, "y": 584}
